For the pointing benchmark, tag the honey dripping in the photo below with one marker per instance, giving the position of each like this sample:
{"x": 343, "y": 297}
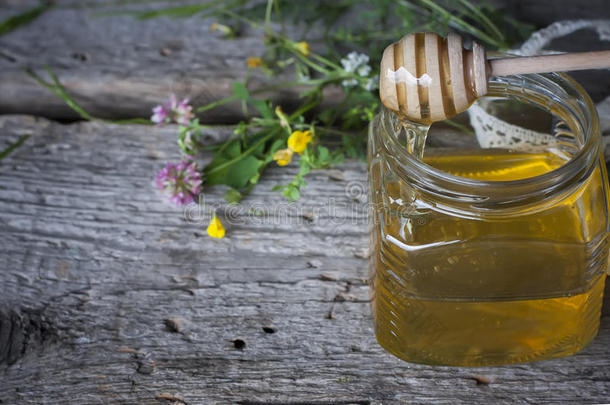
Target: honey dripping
{"x": 427, "y": 78}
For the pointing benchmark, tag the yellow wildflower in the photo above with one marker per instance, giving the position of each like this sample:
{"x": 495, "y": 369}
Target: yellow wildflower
{"x": 254, "y": 62}
{"x": 303, "y": 47}
{"x": 283, "y": 156}
{"x": 298, "y": 141}
{"x": 215, "y": 229}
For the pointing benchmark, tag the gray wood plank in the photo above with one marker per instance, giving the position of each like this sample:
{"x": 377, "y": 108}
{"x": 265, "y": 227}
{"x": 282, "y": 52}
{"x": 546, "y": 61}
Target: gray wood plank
{"x": 109, "y": 295}
{"x": 118, "y": 67}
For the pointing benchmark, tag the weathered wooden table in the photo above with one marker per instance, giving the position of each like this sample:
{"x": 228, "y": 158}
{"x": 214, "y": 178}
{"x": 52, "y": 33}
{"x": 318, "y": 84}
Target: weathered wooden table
{"x": 110, "y": 295}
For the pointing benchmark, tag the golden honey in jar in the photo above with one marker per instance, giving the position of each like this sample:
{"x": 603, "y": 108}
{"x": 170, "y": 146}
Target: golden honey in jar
{"x": 492, "y": 249}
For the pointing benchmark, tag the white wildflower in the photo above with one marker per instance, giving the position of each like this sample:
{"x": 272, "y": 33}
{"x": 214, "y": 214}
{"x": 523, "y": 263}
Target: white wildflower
{"x": 358, "y": 63}
{"x": 364, "y": 70}
{"x": 372, "y": 83}
{"x": 349, "y": 83}
{"x": 354, "y": 60}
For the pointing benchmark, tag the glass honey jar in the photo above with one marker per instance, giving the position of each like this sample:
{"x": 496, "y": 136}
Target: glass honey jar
{"x": 492, "y": 249}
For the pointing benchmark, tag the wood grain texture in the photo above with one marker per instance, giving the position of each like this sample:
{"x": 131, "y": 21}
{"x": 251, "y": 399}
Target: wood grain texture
{"x": 428, "y": 78}
{"x": 455, "y": 55}
{"x": 108, "y": 295}
{"x": 388, "y": 91}
{"x": 111, "y": 296}
{"x": 550, "y": 63}
{"x": 435, "y": 90}
{"x": 120, "y": 67}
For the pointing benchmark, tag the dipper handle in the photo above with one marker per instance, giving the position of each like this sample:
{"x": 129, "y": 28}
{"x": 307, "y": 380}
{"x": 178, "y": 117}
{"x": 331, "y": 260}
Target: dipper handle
{"x": 547, "y": 63}
{"x": 425, "y": 77}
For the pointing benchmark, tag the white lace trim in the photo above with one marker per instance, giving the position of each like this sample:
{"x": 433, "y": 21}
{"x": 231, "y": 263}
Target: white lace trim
{"x": 493, "y": 132}
{"x": 539, "y": 39}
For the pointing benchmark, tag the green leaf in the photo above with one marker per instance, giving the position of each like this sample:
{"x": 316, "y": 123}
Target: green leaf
{"x": 232, "y": 150}
{"x": 14, "y": 22}
{"x": 275, "y": 146}
{"x": 327, "y": 116}
{"x": 323, "y": 155}
{"x": 304, "y": 170}
{"x": 233, "y": 196}
{"x": 259, "y": 150}
{"x": 292, "y": 193}
{"x": 235, "y": 175}
{"x": 337, "y": 157}
{"x": 240, "y": 91}
{"x": 254, "y": 179}
{"x": 263, "y": 107}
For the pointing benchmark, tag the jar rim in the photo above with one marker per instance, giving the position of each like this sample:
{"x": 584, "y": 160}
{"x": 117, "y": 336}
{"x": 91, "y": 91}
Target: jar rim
{"x": 509, "y": 192}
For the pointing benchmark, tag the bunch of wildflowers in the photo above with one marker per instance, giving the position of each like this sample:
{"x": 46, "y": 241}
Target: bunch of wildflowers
{"x": 182, "y": 182}
{"x": 239, "y": 162}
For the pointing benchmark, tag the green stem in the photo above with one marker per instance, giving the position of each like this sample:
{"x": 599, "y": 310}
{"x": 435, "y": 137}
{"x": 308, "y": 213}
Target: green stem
{"x": 490, "y": 25}
{"x": 315, "y": 101}
{"x": 92, "y": 4}
{"x": 243, "y": 155}
{"x": 60, "y": 91}
{"x": 283, "y": 41}
{"x": 217, "y": 103}
{"x": 324, "y": 60}
{"x": 459, "y": 126}
{"x": 308, "y": 62}
{"x": 172, "y": 12}
{"x": 248, "y": 21}
{"x": 268, "y": 10}
{"x": 233, "y": 138}
{"x": 457, "y": 21}
{"x": 222, "y": 101}
{"x": 389, "y": 35}
{"x": 9, "y": 149}
{"x": 139, "y": 121}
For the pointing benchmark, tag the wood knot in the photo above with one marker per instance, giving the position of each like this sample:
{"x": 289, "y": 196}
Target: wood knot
{"x": 239, "y": 344}
{"x": 174, "y": 324}
{"x": 481, "y": 380}
{"x": 81, "y": 56}
{"x": 21, "y": 331}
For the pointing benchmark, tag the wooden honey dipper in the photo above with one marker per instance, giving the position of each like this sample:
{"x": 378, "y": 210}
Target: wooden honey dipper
{"x": 427, "y": 78}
